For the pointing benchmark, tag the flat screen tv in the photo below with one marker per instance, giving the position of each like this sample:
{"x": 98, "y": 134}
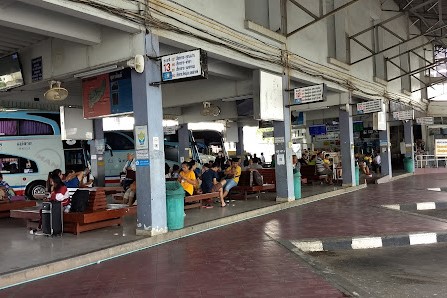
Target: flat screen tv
{"x": 10, "y": 72}
{"x": 316, "y": 130}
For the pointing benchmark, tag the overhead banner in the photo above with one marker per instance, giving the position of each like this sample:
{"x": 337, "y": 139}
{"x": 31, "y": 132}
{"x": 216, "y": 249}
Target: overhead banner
{"x": 268, "y": 101}
{"x": 404, "y": 115}
{"x": 309, "y": 94}
{"x": 96, "y": 96}
{"x": 184, "y": 66}
{"x": 425, "y": 120}
{"x": 372, "y": 106}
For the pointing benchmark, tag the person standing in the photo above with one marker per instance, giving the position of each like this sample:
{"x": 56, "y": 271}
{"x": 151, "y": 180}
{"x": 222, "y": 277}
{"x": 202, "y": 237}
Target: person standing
{"x": 262, "y": 158}
{"x": 129, "y": 170}
{"x": 220, "y": 160}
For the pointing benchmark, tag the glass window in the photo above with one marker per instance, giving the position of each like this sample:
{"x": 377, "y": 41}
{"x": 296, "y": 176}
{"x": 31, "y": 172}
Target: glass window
{"x": 118, "y": 141}
{"x": 8, "y": 127}
{"x": 31, "y": 127}
{"x": 10, "y": 164}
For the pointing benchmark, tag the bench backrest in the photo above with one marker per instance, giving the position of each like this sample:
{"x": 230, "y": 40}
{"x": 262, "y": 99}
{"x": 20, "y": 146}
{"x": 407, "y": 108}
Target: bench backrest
{"x": 268, "y": 175}
{"x": 308, "y": 170}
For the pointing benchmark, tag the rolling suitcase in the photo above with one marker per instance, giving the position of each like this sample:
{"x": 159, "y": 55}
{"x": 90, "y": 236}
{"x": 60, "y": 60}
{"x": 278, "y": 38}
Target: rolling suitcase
{"x": 52, "y": 218}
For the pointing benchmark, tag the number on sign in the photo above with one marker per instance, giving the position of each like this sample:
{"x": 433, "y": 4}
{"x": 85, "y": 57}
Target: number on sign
{"x": 167, "y": 67}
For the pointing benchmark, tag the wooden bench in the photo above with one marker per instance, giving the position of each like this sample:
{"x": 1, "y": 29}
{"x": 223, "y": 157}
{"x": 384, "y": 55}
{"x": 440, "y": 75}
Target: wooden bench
{"x": 268, "y": 176}
{"x": 6, "y": 207}
{"x": 197, "y": 200}
{"x": 309, "y": 172}
{"x": 245, "y": 186}
{"x": 97, "y": 215}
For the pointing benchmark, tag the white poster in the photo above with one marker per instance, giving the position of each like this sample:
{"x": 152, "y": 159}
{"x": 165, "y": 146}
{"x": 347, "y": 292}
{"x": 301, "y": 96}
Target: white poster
{"x": 141, "y": 142}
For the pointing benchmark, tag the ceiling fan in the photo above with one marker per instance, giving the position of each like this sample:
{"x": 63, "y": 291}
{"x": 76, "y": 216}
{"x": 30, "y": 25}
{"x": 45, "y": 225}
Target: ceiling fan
{"x": 56, "y": 92}
{"x": 210, "y": 109}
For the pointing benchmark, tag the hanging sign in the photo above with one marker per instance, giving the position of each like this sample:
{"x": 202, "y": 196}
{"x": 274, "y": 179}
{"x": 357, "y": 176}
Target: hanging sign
{"x": 371, "y": 106}
{"x": 404, "y": 115}
{"x": 309, "y": 94}
{"x": 425, "y": 120}
{"x": 184, "y": 66}
{"x": 441, "y": 148}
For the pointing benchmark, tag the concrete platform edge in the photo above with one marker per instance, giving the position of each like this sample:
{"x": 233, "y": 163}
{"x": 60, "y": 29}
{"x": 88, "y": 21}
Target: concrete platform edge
{"x": 23, "y": 276}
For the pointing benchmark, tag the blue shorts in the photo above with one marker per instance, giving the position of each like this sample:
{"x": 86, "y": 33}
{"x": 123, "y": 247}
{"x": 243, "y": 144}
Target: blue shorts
{"x": 73, "y": 183}
{"x": 229, "y": 185}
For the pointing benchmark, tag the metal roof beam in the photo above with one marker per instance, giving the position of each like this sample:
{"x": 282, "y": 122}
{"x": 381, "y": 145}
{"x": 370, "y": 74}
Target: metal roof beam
{"x": 322, "y": 17}
{"x": 304, "y": 9}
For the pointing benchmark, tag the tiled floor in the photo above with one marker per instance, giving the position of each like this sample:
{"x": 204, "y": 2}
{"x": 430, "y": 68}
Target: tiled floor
{"x": 19, "y": 249}
{"x": 246, "y": 259}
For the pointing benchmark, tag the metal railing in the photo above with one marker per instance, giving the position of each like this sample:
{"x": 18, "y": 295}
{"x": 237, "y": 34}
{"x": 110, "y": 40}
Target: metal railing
{"x": 430, "y": 161}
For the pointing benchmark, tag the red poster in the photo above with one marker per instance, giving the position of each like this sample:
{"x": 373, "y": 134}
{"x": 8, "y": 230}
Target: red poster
{"x": 96, "y": 96}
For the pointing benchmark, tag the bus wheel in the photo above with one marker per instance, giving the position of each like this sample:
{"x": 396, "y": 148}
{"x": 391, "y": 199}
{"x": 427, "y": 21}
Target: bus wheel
{"x": 35, "y": 190}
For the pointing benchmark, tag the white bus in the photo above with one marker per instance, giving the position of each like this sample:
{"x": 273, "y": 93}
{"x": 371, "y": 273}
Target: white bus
{"x": 30, "y": 147}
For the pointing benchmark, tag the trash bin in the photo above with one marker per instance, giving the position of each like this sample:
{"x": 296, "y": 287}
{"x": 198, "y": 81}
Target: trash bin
{"x": 357, "y": 175}
{"x": 408, "y": 165}
{"x": 175, "y": 198}
{"x": 297, "y": 184}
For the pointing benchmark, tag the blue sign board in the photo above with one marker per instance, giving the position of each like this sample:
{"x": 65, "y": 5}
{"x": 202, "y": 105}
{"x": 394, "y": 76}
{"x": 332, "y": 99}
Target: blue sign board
{"x": 121, "y": 91}
{"x": 142, "y": 162}
{"x": 36, "y": 69}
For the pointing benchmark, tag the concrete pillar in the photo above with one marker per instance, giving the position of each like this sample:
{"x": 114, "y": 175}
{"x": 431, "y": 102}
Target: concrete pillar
{"x": 150, "y": 177}
{"x": 97, "y": 158}
{"x": 240, "y": 143}
{"x": 385, "y": 151}
{"x": 283, "y": 152}
{"x": 409, "y": 140}
{"x": 183, "y": 143}
{"x": 347, "y": 148}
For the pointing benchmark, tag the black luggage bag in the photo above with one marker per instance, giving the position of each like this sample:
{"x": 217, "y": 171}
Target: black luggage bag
{"x": 52, "y": 218}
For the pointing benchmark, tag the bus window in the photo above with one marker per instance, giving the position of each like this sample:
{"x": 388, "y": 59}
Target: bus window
{"x": 31, "y": 128}
{"x": 8, "y": 127}
{"x": 119, "y": 141}
{"x": 10, "y": 164}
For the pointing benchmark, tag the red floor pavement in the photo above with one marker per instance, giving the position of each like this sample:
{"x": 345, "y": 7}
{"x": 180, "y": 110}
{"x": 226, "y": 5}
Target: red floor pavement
{"x": 244, "y": 259}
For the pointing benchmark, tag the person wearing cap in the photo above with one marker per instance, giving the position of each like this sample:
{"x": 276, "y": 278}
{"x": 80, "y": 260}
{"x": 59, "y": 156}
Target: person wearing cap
{"x": 232, "y": 175}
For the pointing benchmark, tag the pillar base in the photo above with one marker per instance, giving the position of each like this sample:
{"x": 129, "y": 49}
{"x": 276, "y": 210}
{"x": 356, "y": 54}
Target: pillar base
{"x": 151, "y": 232}
{"x": 278, "y": 199}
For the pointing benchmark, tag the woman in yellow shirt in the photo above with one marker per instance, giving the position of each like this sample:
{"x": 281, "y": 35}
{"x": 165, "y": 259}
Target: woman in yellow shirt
{"x": 187, "y": 179}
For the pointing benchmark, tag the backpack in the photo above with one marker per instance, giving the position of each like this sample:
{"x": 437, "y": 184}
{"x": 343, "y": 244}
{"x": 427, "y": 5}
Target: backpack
{"x": 79, "y": 200}
{"x": 257, "y": 178}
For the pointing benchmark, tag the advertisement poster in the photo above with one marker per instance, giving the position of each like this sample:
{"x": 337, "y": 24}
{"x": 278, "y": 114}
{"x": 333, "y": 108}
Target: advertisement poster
{"x": 96, "y": 96}
{"x": 121, "y": 91}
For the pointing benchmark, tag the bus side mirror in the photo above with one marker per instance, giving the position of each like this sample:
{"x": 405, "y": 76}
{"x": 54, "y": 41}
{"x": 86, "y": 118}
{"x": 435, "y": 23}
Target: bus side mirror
{"x": 109, "y": 149}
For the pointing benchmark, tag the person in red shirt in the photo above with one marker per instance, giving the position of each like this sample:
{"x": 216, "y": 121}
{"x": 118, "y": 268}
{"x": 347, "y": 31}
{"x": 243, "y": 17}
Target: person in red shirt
{"x": 59, "y": 192}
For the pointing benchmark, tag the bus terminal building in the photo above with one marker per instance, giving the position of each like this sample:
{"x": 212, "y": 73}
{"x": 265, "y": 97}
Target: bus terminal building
{"x": 349, "y": 78}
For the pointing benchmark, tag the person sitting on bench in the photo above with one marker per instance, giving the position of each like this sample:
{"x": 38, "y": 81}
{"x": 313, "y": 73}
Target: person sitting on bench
{"x": 6, "y": 192}
{"x": 232, "y": 175}
{"x": 323, "y": 168}
{"x": 187, "y": 178}
{"x": 210, "y": 183}
{"x": 129, "y": 195}
{"x": 73, "y": 179}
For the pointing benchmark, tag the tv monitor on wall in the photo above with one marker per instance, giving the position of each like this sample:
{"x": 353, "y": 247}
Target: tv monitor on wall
{"x": 10, "y": 72}
{"x": 317, "y": 130}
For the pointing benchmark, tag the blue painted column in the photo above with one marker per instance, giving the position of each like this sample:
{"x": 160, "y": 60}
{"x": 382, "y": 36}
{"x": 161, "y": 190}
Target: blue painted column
{"x": 183, "y": 143}
{"x": 283, "y": 152}
{"x": 347, "y": 147}
{"x": 409, "y": 140}
{"x": 385, "y": 151}
{"x": 240, "y": 143}
{"x": 147, "y": 102}
{"x": 97, "y": 159}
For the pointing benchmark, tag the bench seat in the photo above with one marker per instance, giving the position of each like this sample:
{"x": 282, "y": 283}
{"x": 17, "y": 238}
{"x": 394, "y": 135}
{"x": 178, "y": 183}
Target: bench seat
{"x": 5, "y": 208}
{"x": 246, "y": 185}
{"x": 197, "y": 200}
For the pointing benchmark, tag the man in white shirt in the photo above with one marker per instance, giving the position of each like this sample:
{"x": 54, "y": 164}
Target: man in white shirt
{"x": 262, "y": 159}
{"x": 377, "y": 161}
